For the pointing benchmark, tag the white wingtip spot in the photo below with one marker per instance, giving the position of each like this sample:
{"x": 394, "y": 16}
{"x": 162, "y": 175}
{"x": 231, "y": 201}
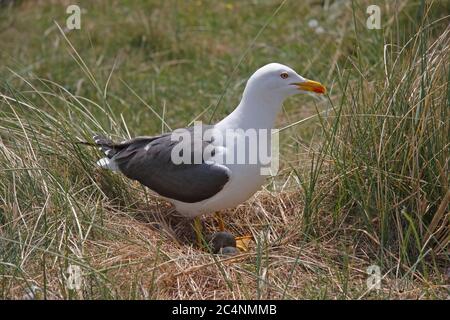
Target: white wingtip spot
{"x": 107, "y": 164}
{"x": 103, "y": 162}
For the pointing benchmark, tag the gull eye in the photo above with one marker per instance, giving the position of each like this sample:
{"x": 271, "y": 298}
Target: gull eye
{"x": 284, "y": 75}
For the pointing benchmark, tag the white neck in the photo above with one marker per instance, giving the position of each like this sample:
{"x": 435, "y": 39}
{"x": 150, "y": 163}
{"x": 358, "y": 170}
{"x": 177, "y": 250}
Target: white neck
{"x": 256, "y": 110}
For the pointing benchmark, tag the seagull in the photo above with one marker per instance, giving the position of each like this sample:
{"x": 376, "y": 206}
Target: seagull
{"x": 211, "y": 184}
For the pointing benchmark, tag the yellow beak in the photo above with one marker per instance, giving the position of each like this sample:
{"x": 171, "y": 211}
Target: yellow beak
{"x": 310, "y": 85}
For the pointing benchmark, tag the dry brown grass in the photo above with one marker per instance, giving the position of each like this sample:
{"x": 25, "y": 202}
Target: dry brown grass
{"x": 144, "y": 255}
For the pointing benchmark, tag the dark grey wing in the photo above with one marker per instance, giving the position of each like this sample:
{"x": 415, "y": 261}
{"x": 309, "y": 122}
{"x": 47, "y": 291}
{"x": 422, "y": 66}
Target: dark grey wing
{"x": 148, "y": 160}
{"x": 111, "y": 148}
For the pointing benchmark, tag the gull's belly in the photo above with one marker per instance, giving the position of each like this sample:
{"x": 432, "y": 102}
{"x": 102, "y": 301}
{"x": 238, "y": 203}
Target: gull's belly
{"x": 246, "y": 180}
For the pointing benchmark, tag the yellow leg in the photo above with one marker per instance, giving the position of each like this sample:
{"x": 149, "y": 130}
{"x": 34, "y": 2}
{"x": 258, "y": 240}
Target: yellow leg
{"x": 220, "y": 221}
{"x": 198, "y": 231}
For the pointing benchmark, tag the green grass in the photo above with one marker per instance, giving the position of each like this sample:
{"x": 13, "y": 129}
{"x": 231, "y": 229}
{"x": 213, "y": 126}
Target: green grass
{"x": 364, "y": 181}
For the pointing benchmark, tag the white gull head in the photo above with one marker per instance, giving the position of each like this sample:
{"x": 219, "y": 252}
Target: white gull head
{"x": 264, "y": 93}
{"x": 278, "y": 80}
